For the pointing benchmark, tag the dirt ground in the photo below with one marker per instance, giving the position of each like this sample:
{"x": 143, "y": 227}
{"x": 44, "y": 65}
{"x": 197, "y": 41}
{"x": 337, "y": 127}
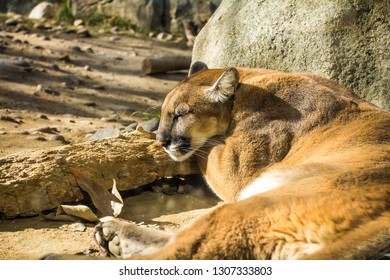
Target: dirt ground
{"x": 57, "y": 89}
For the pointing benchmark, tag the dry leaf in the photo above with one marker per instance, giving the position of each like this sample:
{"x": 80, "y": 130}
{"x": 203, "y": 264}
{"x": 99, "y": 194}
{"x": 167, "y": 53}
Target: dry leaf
{"x": 116, "y": 207}
{"x": 81, "y": 211}
{"x": 100, "y": 196}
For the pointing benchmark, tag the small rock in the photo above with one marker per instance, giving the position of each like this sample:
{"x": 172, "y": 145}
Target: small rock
{"x": 57, "y": 137}
{"x": 20, "y": 28}
{"x": 43, "y": 116}
{"x": 45, "y": 129}
{"x": 23, "y": 132}
{"x": 11, "y": 22}
{"x": 37, "y": 138}
{"x": 114, "y": 38}
{"x": 73, "y": 80}
{"x": 89, "y": 50}
{"x": 65, "y": 58}
{"x": 98, "y": 87}
{"x": 10, "y": 119}
{"x": 37, "y": 47}
{"x": 131, "y": 127}
{"x": 2, "y": 132}
{"x": 167, "y": 189}
{"x": 76, "y": 49}
{"x": 70, "y": 31}
{"x": 105, "y": 133}
{"x": 150, "y": 125}
{"x": 46, "y": 38}
{"x": 84, "y": 33}
{"x": 39, "y": 26}
{"x": 90, "y": 104}
{"x": 51, "y": 91}
{"x": 87, "y": 68}
{"x": 78, "y": 22}
{"x": 54, "y": 67}
{"x": 115, "y": 29}
{"x": 162, "y": 36}
{"x": 109, "y": 119}
{"x": 74, "y": 227}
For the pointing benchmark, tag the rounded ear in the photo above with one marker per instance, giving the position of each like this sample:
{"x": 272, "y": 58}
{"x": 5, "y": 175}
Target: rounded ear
{"x": 196, "y": 67}
{"x": 225, "y": 87}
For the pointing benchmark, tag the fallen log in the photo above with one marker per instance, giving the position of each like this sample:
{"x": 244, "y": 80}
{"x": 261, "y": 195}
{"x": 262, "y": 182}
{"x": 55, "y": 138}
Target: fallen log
{"x": 165, "y": 64}
{"x": 31, "y": 182}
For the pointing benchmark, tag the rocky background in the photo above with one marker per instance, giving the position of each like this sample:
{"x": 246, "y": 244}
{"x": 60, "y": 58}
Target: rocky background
{"x": 346, "y": 41}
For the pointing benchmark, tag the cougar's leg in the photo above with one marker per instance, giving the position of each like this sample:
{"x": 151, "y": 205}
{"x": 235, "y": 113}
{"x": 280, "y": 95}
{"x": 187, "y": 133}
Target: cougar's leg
{"x": 119, "y": 238}
{"x": 368, "y": 241}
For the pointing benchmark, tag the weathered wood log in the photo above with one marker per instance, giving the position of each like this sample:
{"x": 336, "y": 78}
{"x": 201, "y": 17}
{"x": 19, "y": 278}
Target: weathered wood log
{"x": 31, "y": 182}
{"x": 165, "y": 64}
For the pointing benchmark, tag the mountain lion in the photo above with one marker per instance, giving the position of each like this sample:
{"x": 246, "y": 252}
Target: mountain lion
{"x": 301, "y": 163}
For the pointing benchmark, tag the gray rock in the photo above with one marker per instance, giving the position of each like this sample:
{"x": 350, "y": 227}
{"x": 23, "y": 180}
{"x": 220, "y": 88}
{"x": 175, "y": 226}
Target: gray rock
{"x": 150, "y": 125}
{"x": 105, "y": 133}
{"x": 150, "y": 15}
{"x": 11, "y": 22}
{"x": 131, "y": 127}
{"x": 58, "y": 137}
{"x": 43, "y": 10}
{"x": 345, "y": 41}
{"x": 109, "y": 119}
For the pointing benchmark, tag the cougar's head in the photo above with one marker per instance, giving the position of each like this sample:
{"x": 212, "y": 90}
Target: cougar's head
{"x": 197, "y": 109}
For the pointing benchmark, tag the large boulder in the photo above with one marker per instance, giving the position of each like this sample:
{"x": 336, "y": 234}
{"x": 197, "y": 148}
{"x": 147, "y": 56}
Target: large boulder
{"x": 150, "y": 14}
{"x": 42, "y": 11}
{"x": 22, "y": 7}
{"x": 346, "y": 41}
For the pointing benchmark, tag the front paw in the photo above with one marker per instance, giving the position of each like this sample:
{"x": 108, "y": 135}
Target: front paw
{"x": 119, "y": 238}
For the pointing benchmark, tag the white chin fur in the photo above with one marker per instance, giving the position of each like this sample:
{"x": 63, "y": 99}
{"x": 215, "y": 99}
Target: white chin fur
{"x": 177, "y": 156}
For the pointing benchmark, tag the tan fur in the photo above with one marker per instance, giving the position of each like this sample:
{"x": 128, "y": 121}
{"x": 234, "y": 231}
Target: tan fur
{"x": 294, "y": 124}
{"x": 326, "y": 151}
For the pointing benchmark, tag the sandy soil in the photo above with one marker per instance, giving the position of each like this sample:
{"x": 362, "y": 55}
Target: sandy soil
{"x": 57, "y": 89}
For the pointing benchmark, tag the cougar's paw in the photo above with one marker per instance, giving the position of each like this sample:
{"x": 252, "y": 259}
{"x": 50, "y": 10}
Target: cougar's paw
{"x": 121, "y": 239}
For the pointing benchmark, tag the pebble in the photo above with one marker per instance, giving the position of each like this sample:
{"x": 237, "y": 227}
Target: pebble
{"x": 57, "y": 137}
{"x": 105, "y": 133}
{"x": 65, "y": 58}
{"x": 45, "y": 129}
{"x": 150, "y": 125}
{"x": 43, "y": 116}
{"x": 109, "y": 119}
{"x": 84, "y": 33}
{"x": 131, "y": 127}
{"x": 10, "y": 119}
{"x": 90, "y": 104}
{"x": 11, "y": 22}
{"x": 98, "y": 87}
{"x": 87, "y": 68}
{"x": 76, "y": 49}
{"x": 54, "y": 67}
{"x": 78, "y": 22}
{"x": 114, "y": 38}
{"x": 20, "y": 28}
{"x": 89, "y": 50}
{"x": 37, "y": 138}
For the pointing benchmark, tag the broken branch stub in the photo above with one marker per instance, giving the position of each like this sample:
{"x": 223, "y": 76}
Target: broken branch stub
{"x": 33, "y": 181}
